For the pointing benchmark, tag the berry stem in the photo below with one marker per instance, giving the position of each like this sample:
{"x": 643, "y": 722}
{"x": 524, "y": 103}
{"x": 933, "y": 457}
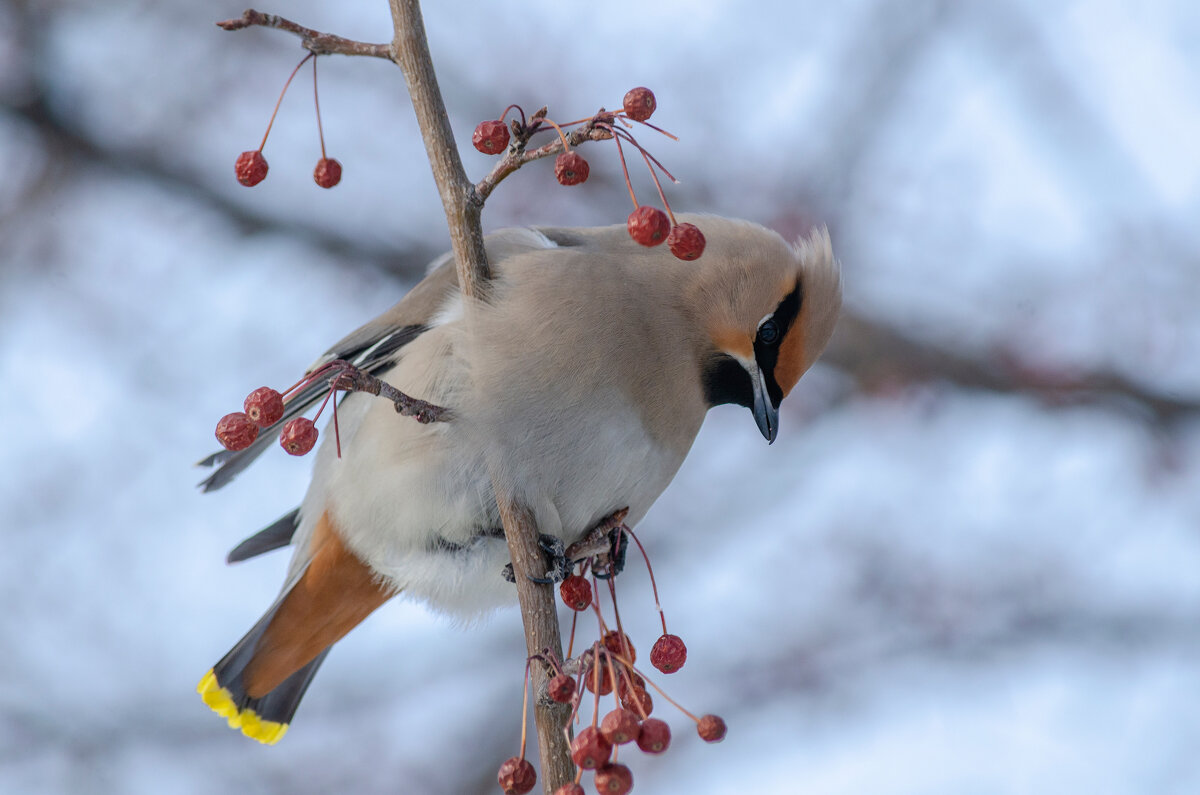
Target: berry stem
{"x": 329, "y": 394}
{"x": 571, "y": 640}
{"x": 337, "y": 433}
{"x": 317, "y": 105}
{"x": 624, "y": 165}
{"x": 279, "y": 101}
{"x": 595, "y": 684}
{"x": 646, "y": 153}
{"x": 557, "y": 129}
{"x": 655, "y": 128}
{"x": 663, "y": 693}
{"x": 525, "y": 707}
{"x": 658, "y": 185}
{"x": 519, "y": 110}
{"x": 612, "y": 591}
{"x": 650, "y": 571}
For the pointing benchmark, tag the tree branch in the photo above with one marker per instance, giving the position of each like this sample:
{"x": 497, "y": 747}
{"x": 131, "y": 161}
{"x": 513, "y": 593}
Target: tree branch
{"x": 539, "y": 614}
{"x": 410, "y": 50}
{"x": 312, "y": 40}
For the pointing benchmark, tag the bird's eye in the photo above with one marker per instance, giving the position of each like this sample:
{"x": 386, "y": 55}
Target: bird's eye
{"x": 768, "y": 332}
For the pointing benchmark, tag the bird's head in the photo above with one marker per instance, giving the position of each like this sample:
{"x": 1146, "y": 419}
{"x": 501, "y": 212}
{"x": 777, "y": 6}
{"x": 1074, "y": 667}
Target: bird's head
{"x": 768, "y": 308}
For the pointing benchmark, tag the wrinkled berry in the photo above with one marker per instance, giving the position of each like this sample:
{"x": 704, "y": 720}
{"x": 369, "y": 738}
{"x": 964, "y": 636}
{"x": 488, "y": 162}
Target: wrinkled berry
{"x": 328, "y": 172}
{"x": 299, "y": 436}
{"x": 648, "y": 225}
{"x": 569, "y": 789}
{"x": 264, "y": 406}
{"x": 236, "y": 431}
{"x": 570, "y": 168}
{"x": 576, "y": 591}
{"x": 251, "y": 168}
{"x": 669, "y": 654}
{"x": 516, "y": 776}
{"x": 637, "y": 700}
{"x": 655, "y": 736}
{"x": 589, "y": 749}
{"x": 613, "y": 642}
{"x": 619, "y": 727}
{"x": 639, "y": 103}
{"x": 490, "y": 137}
{"x": 605, "y": 685}
{"x": 561, "y": 688}
{"x": 711, "y": 729}
{"x": 686, "y": 242}
{"x": 614, "y": 779}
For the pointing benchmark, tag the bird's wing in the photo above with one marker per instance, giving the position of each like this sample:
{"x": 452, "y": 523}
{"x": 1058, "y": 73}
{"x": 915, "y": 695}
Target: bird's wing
{"x": 375, "y": 346}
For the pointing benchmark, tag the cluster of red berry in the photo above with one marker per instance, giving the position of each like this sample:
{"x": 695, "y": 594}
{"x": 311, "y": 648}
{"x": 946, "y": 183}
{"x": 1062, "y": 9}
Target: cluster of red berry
{"x": 607, "y": 667}
{"x": 647, "y": 225}
{"x": 264, "y": 407}
{"x": 251, "y": 166}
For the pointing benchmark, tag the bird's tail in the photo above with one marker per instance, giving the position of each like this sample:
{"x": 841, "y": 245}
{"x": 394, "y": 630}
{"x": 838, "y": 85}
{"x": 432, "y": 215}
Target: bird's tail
{"x": 259, "y": 683}
{"x": 264, "y": 717}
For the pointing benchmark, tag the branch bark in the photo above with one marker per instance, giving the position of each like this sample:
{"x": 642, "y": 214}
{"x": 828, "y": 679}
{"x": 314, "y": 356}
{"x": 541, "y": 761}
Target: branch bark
{"x": 410, "y": 50}
{"x": 314, "y": 41}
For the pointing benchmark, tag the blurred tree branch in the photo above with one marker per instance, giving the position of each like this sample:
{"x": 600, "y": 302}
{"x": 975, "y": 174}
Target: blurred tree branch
{"x": 312, "y": 40}
{"x": 877, "y": 355}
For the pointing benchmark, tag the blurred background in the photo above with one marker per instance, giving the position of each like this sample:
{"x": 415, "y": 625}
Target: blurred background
{"x": 970, "y": 564}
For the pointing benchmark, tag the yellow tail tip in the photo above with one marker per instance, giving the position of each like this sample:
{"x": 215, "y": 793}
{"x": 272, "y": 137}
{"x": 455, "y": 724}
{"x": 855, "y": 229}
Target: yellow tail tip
{"x": 220, "y": 701}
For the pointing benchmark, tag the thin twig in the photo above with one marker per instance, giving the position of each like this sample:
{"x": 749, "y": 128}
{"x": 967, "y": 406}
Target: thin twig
{"x": 355, "y": 380}
{"x": 518, "y": 156}
{"x": 314, "y": 41}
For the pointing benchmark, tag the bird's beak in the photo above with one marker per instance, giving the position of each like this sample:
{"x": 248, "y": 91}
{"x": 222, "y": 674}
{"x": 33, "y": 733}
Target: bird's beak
{"x": 765, "y": 413}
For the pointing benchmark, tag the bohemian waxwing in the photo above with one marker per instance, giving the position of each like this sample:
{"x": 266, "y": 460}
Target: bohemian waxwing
{"x": 584, "y": 380}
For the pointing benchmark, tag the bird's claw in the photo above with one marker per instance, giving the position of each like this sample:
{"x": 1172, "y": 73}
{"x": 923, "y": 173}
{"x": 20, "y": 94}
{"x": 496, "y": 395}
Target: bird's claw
{"x": 558, "y": 566}
{"x": 608, "y": 565}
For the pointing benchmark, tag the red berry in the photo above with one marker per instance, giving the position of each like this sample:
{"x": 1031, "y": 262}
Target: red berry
{"x": 637, "y": 700}
{"x": 328, "y": 172}
{"x": 619, "y": 727}
{"x": 299, "y": 436}
{"x": 669, "y": 654}
{"x": 630, "y": 678}
{"x": 236, "y": 431}
{"x": 570, "y": 168}
{"x": 605, "y": 685}
{"x": 639, "y": 103}
{"x": 569, "y": 789}
{"x": 686, "y": 242}
{"x": 711, "y": 729}
{"x": 589, "y": 749}
{"x": 491, "y": 137}
{"x": 561, "y": 688}
{"x": 655, "y": 736}
{"x": 251, "y": 168}
{"x": 614, "y": 779}
{"x": 648, "y": 225}
{"x": 517, "y": 776}
{"x": 576, "y": 591}
{"x": 619, "y": 643}
{"x": 264, "y": 406}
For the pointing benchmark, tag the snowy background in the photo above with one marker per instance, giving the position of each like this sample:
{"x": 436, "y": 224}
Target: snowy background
{"x": 970, "y": 564}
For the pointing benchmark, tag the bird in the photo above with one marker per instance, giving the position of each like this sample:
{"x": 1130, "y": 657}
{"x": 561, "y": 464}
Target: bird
{"x": 579, "y": 381}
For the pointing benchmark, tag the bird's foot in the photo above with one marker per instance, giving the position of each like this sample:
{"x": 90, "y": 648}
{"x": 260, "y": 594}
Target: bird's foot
{"x": 605, "y": 545}
{"x": 558, "y": 565}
